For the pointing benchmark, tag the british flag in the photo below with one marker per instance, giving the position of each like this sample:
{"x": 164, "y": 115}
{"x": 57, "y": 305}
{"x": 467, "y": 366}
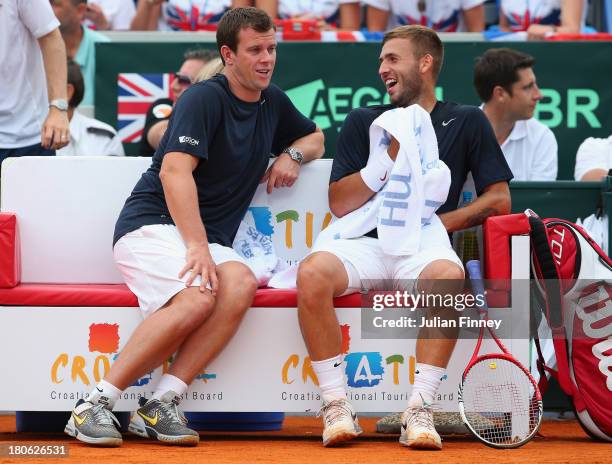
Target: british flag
{"x": 135, "y": 93}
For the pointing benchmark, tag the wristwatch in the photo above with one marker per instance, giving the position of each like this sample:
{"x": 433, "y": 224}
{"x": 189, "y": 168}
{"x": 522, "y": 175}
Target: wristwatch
{"x": 295, "y": 154}
{"x": 60, "y": 104}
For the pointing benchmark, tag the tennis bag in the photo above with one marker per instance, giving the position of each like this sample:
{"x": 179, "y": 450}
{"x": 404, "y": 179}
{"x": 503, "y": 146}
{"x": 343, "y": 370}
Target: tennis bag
{"x": 573, "y": 288}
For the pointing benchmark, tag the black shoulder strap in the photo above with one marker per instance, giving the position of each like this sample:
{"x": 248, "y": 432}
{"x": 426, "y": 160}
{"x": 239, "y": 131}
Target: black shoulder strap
{"x": 548, "y": 272}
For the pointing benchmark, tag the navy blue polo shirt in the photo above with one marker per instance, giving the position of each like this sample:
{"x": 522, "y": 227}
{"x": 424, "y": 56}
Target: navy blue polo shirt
{"x": 233, "y": 141}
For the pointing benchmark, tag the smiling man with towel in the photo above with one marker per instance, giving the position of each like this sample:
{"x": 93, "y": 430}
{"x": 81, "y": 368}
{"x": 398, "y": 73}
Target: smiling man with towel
{"x": 395, "y": 167}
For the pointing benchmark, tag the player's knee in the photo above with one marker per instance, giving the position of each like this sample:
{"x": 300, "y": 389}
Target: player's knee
{"x": 200, "y": 307}
{"x": 246, "y": 286}
{"x": 442, "y": 269}
{"x": 313, "y": 276}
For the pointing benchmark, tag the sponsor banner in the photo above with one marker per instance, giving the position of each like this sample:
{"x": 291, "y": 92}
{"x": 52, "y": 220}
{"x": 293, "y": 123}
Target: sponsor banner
{"x": 264, "y": 368}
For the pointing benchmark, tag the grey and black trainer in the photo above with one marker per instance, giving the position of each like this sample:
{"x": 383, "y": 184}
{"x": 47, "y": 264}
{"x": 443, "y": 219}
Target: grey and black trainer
{"x": 94, "y": 424}
{"x": 163, "y": 421}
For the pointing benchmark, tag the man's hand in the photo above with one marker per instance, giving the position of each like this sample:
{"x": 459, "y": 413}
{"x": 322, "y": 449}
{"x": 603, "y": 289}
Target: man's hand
{"x": 55, "y": 132}
{"x": 200, "y": 263}
{"x": 283, "y": 173}
{"x": 95, "y": 14}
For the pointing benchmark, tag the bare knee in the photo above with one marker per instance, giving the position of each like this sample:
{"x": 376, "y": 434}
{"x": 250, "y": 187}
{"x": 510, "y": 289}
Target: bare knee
{"x": 443, "y": 276}
{"x": 313, "y": 275}
{"x": 238, "y": 283}
{"x": 196, "y": 307}
{"x": 245, "y": 286}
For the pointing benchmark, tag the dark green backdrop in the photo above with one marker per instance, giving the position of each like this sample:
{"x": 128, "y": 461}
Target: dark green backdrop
{"x": 326, "y": 80}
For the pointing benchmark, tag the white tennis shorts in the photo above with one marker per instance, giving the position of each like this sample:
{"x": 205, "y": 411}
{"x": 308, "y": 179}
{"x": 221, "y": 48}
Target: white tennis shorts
{"x": 369, "y": 268}
{"x": 150, "y": 259}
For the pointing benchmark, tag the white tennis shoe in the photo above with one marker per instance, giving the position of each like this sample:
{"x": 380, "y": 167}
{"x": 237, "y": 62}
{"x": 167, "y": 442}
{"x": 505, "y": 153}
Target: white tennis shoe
{"x": 418, "y": 429}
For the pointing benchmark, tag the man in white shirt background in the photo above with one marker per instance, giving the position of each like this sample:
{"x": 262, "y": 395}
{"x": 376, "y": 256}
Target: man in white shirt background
{"x": 88, "y": 136}
{"x": 506, "y": 84}
{"x": 594, "y": 159}
{"x": 32, "y": 81}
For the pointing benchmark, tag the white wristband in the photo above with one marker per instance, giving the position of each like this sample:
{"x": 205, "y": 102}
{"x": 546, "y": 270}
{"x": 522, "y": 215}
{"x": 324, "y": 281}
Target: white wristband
{"x": 376, "y": 172}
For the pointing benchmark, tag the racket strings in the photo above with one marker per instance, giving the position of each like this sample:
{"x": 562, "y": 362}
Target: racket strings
{"x": 500, "y": 402}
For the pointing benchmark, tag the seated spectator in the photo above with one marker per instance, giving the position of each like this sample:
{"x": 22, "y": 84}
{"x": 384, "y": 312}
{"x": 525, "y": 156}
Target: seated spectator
{"x": 594, "y": 159}
{"x": 104, "y": 15}
{"x": 80, "y": 41}
{"x": 178, "y": 15}
{"x": 439, "y": 15}
{"x": 330, "y": 14}
{"x": 160, "y": 110}
{"x": 505, "y": 82}
{"x": 88, "y": 136}
{"x": 542, "y": 17}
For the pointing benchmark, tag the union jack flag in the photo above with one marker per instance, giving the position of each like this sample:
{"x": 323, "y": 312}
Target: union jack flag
{"x": 135, "y": 93}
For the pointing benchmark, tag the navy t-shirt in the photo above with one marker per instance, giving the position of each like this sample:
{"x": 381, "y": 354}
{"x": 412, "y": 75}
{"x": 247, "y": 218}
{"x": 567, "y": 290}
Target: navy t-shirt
{"x": 233, "y": 140}
{"x": 466, "y": 142}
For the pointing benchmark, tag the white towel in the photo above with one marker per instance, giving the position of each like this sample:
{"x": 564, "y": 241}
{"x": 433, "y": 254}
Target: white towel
{"x": 417, "y": 186}
{"x": 258, "y": 252}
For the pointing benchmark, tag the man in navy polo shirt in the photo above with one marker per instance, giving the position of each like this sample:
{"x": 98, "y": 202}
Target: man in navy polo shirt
{"x": 173, "y": 237}
{"x": 410, "y": 62}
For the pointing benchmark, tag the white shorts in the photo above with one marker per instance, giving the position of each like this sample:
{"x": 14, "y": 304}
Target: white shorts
{"x": 368, "y": 268}
{"x": 150, "y": 259}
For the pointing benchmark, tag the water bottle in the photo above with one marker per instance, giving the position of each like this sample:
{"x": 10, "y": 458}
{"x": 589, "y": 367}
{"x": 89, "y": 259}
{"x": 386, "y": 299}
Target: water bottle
{"x": 465, "y": 242}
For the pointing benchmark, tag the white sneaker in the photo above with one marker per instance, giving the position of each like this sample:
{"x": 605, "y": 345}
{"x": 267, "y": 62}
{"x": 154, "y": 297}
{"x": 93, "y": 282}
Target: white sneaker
{"x": 339, "y": 421}
{"x": 418, "y": 429}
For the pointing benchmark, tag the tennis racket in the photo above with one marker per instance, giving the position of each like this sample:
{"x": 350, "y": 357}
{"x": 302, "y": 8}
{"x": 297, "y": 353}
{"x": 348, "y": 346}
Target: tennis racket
{"x": 499, "y": 401}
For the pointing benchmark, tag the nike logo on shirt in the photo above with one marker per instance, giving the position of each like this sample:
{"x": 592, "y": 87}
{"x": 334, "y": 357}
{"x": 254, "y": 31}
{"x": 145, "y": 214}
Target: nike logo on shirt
{"x": 446, "y": 123}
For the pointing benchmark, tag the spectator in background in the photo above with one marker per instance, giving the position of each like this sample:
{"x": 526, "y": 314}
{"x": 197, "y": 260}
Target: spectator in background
{"x": 213, "y": 67}
{"x": 343, "y": 14}
{"x": 178, "y": 15}
{"x": 80, "y": 41}
{"x": 33, "y": 104}
{"x": 594, "y": 159}
{"x": 88, "y": 136}
{"x": 159, "y": 113}
{"x": 542, "y": 17}
{"x": 104, "y": 15}
{"x": 506, "y": 83}
{"x": 439, "y": 15}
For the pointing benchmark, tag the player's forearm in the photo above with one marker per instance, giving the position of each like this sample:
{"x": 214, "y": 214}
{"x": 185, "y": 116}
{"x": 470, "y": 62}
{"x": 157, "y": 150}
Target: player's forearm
{"x": 493, "y": 202}
{"x": 348, "y": 194}
{"x": 182, "y": 200}
{"x": 312, "y": 145}
{"x": 54, "y": 57}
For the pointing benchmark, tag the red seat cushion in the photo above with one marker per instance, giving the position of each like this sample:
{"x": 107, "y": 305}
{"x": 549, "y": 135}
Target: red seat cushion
{"x": 121, "y": 296}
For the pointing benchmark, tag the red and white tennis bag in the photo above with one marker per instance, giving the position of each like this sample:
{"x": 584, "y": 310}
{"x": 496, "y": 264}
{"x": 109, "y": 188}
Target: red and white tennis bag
{"x": 574, "y": 286}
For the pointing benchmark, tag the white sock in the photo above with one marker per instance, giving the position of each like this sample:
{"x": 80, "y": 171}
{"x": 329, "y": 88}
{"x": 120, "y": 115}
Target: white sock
{"x": 169, "y": 382}
{"x": 104, "y": 393}
{"x": 331, "y": 378}
{"x": 427, "y": 379}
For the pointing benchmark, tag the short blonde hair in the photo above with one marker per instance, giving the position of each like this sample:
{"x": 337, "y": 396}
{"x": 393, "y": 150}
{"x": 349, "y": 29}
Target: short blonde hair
{"x": 211, "y": 68}
{"x": 424, "y": 40}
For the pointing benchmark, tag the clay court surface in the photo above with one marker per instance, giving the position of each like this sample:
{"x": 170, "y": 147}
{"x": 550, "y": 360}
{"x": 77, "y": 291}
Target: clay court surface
{"x": 299, "y": 441}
